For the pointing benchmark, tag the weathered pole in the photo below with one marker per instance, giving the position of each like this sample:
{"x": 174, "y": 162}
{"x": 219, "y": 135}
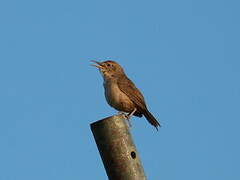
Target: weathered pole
{"x": 117, "y": 150}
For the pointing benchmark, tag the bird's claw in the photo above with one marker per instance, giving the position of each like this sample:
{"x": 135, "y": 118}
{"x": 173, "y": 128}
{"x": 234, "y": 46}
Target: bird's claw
{"x": 126, "y": 117}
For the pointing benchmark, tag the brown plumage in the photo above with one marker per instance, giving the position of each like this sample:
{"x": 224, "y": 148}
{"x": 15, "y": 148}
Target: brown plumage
{"x": 121, "y": 93}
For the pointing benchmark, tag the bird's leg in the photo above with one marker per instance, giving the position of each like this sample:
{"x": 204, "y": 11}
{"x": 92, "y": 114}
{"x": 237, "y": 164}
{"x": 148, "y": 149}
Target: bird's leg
{"x": 129, "y": 116}
{"x": 132, "y": 113}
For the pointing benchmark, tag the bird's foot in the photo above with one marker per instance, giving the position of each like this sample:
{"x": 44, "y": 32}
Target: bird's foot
{"x": 126, "y": 117}
{"x": 121, "y": 113}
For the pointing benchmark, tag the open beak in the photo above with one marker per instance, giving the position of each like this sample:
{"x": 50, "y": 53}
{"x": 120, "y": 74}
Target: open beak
{"x": 98, "y": 64}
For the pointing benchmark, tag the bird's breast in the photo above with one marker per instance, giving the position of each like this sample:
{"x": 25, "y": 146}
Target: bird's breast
{"x": 116, "y": 98}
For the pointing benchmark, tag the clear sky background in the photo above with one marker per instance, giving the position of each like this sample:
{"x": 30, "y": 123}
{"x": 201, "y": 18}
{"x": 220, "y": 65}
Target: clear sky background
{"x": 183, "y": 55}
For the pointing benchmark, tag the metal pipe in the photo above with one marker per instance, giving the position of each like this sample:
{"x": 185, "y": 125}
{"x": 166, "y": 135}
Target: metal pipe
{"x": 117, "y": 150}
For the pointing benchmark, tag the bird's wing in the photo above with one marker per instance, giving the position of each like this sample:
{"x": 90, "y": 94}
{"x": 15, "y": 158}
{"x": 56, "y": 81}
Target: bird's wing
{"x": 128, "y": 88}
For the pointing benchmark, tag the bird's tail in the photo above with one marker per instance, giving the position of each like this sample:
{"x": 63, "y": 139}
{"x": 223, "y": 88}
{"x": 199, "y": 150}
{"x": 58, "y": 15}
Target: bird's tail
{"x": 151, "y": 119}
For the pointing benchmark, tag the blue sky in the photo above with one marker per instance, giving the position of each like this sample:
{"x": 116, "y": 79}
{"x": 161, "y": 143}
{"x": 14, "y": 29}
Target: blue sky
{"x": 183, "y": 55}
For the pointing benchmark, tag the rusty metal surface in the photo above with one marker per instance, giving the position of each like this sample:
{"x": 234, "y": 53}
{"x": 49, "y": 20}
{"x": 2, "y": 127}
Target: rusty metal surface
{"x": 117, "y": 150}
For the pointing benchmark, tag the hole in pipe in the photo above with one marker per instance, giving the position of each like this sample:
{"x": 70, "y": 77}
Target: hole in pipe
{"x": 133, "y": 155}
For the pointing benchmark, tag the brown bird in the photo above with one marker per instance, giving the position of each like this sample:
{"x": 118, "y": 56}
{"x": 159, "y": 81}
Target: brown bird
{"x": 121, "y": 93}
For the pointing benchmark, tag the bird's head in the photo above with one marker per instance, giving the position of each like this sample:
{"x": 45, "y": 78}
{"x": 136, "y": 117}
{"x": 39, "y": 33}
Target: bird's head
{"x": 109, "y": 69}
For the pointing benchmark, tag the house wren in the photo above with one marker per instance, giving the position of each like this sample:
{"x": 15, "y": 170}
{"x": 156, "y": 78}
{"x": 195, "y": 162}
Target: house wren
{"x": 121, "y": 93}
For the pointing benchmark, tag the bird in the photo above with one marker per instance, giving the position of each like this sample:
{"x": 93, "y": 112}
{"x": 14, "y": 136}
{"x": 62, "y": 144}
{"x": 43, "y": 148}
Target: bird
{"x": 121, "y": 93}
